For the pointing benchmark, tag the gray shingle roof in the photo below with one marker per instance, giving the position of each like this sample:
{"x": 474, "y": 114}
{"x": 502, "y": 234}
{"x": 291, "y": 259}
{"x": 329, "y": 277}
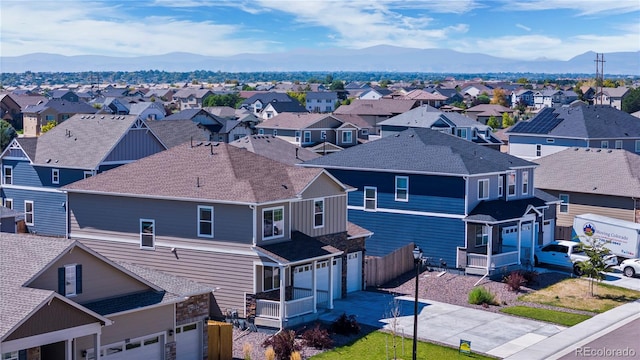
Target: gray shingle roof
{"x": 216, "y": 172}
{"x": 294, "y": 121}
{"x": 275, "y": 148}
{"x": 289, "y": 106}
{"x": 422, "y": 150}
{"x": 29, "y": 145}
{"x": 189, "y": 114}
{"x": 594, "y": 171}
{"x": 301, "y": 247}
{"x": 176, "y": 132}
{"x": 501, "y": 210}
{"x": 62, "y": 107}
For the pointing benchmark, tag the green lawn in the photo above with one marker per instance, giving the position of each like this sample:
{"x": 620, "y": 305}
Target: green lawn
{"x": 374, "y": 346}
{"x": 552, "y": 316}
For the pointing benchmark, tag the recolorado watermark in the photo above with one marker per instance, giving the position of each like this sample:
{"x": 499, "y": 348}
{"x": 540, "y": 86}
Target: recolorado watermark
{"x": 605, "y": 352}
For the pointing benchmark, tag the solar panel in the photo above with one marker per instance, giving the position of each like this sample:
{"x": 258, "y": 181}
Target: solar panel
{"x": 543, "y": 123}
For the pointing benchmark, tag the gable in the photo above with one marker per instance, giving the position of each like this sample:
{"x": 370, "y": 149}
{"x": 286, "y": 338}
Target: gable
{"x": 137, "y": 143}
{"x": 15, "y": 151}
{"x": 323, "y": 186}
{"x": 328, "y": 122}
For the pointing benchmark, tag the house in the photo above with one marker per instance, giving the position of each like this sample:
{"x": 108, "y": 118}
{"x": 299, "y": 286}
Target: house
{"x": 375, "y": 111}
{"x": 522, "y": 96}
{"x": 190, "y": 98}
{"x": 423, "y": 97}
{"x": 237, "y": 129}
{"x": 275, "y": 107}
{"x": 213, "y": 123}
{"x": 553, "y": 98}
{"x": 57, "y": 110}
{"x": 371, "y": 94}
{"x": 611, "y": 96}
{"x": 587, "y": 93}
{"x": 555, "y": 129}
{"x": 177, "y": 132}
{"x": 65, "y": 300}
{"x": 429, "y": 117}
{"x": 151, "y": 110}
{"x": 470, "y": 206}
{"x": 483, "y": 112}
{"x": 587, "y": 180}
{"x": 451, "y": 94}
{"x": 258, "y": 230}
{"x": 10, "y": 110}
{"x": 310, "y": 129}
{"x": 321, "y": 101}
{"x": 9, "y": 219}
{"x": 258, "y": 100}
{"x": 35, "y": 169}
{"x": 275, "y": 148}
{"x": 65, "y": 94}
{"x": 160, "y": 94}
{"x": 473, "y": 90}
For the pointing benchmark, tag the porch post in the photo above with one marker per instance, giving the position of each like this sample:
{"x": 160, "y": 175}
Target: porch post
{"x": 330, "y": 300}
{"x": 533, "y": 236}
{"x": 489, "y": 247}
{"x": 519, "y": 241}
{"x": 313, "y": 286}
{"x": 283, "y": 296}
{"x": 96, "y": 346}
{"x": 69, "y": 349}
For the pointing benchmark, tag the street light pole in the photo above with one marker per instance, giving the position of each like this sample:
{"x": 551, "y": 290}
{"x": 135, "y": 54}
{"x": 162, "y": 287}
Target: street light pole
{"x": 417, "y": 258}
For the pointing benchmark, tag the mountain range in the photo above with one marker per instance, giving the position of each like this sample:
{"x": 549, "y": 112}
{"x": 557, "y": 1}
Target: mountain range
{"x": 377, "y": 58}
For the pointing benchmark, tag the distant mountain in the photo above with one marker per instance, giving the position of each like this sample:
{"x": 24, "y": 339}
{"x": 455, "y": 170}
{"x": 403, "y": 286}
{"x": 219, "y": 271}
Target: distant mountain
{"x": 377, "y": 58}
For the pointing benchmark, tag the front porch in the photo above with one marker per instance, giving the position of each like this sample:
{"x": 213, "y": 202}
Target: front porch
{"x": 301, "y": 307}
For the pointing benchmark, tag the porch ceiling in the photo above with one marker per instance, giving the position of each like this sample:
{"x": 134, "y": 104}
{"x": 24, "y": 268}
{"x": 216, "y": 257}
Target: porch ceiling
{"x": 500, "y": 210}
{"x": 301, "y": 247}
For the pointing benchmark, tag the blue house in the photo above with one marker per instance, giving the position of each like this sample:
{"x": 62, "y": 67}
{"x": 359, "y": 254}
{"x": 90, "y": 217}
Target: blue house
{"x": 34, "y": 169}
{"x": 473, "y": 207}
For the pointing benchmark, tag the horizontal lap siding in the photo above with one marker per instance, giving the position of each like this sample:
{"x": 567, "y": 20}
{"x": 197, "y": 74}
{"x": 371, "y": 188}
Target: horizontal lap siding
{"x": 49, "y": 213}
{"x": 437, "y": 237}
{"x": 23, "y": 173}
{"x": 612, "y": 206}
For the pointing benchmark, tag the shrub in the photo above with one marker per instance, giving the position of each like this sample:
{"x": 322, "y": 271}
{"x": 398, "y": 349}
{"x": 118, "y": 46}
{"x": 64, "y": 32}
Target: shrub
{"x": 317, "y": 337}
{"x": 515, "y": 280}
{"x": 530, "y": 276}
{"x": 246, "y": 351}
{"x": 295, "y": 356}
{"x": 480, "y": 295}
{"x": 269, "y": 354}
{"x": 283, "y": 344}
{"x": 346, "y": 325}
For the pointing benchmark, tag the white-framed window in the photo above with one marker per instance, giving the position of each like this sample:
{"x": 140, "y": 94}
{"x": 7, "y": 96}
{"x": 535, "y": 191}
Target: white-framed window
{"x": 500, "y": 185}
{"x": 525, "y": 182}
{"x": 88, "y": 174}
{"x": 347, "y": 137}
{"x": 482, "y": 235}
{"x": 318, "y": 213}
{"x": 205, "y": 221}
{"x": 364, "y": 132}
{"x": 28, "y": 212}
{"x": 564, "y": 203}
{"x": 323, "y": 134}
{"x": 370, "y": 198}
{"x": 70, "y": 280}
{"x": 297, "y": 135}
{"x": 618, "y": 144}
{"x": 55, "y": 176}
{"x": 604, "y": 144}
{"x": 270, "y": 278}
{"x": 7, "y": 175}
{"x": 483, "y": 189}
{"x": 402, "y": 188}
{"x": 147, "y": 234}
{"x": 13, "y": 355}
{"x": 538, "y": 150}
{"x": 273, "y": 223}
{"x": 638, "y": 146}
{"x": 306, "y": 137}
{"x": 8, "y": 203}
{"x": 511, "y": 183}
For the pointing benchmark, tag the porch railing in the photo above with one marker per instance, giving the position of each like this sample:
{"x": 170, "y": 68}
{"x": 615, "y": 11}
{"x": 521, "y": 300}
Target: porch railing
{"x": 497, "y": 260}
{"x": 271, "y": 308}
{"x": 477, "y": 260}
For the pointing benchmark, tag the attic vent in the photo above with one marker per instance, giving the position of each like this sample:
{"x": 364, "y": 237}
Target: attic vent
{"x": 102, "y": 117}
{"x": 81, "y": 117}
{"x": 48, "y": 161}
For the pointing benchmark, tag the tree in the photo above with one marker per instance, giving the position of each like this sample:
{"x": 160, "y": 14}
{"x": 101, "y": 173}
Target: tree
{"x": 459, "y": 104}
{"x": 499, "y": 97}
{"x": 7, "y": 133}
{"x": 522, "y": 81}
{"x": 336, "y": 85}
{"x": 231, "y": 100}
{"x": 48, "y": 126}
{"x": 493, "y": 122}
{"x": 300, "y": 96}
{"x": 522, "y": 105}
{"x": 481, "y": 99}
{"x": 595, "y": 266}
{"x": 506, "y": 120}
{"x": 631, "y": 103}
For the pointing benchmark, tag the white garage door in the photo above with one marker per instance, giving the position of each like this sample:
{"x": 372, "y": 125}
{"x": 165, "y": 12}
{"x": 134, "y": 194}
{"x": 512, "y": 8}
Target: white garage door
{"x": 354, "y": 271}
{"x": 148, "y": 347}
{"x": 302, "y": 276}
{"x": 188, "y": 342}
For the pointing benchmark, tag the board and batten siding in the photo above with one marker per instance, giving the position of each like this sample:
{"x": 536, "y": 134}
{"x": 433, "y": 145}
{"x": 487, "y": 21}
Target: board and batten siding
{"x": 580, "y": 203}
{"x": 335, "y": 216}
{"x": 136, "y": 144}
{"x": 97, "y": 215}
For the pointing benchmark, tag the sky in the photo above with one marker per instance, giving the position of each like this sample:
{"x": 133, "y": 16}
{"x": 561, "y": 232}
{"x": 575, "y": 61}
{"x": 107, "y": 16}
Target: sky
{"x": 553, "y": 29}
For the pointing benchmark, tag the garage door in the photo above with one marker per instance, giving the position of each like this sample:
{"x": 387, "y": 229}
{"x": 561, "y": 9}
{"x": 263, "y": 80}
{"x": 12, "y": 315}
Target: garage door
{"x": 188, "y": 342}
{"x": 148, "y": 347}
{"x": 302, "y": 276}
{"x": 354, "y": 271}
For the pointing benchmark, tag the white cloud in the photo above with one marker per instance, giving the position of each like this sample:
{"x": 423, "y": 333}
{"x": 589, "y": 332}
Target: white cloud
{"x": 582, "y": 7}
{"x": 523, "y": 27}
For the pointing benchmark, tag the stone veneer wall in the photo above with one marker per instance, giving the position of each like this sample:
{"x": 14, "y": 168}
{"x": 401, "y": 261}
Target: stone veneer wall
{"x": 33, "y": 353}
{"x": 170, "y": 351}
{"x": 195, "y": 309}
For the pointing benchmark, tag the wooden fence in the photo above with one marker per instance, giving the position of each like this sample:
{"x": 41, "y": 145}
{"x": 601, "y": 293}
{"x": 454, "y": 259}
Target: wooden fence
{"x": 379, "y": 270}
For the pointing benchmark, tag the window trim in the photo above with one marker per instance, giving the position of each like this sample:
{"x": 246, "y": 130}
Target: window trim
{"x": 153, "y": 234}
{"x": 564, "y": 203}
{"x": 509, "y": 186}
{"x": 277, "y": 236}
{"x": 297, "y": 136}
{"x": 74, "y": 280}
{"x": 638, "y": 146}
{"x": 323, "y": 135}
{"x": 538, "y": 150}
{"x": 460, "y": 131}
{"x": 4, "y": 174}
{"x": 485, "y": 189}
{"x": 260, "y": 131}
{"x": 32, "y": 213}
{"x": 405, "y": 189}
{"x": 273, "y": 278}
{"x": 10, "y": 201}
{"x": 201, "y": 221}
{"x": 316, "y": 213}
{"x": 484, "y": 236}
{"x": 55, "y": 176}
{"x": 604, "y": 144}
{"x": 501, "y": 178}
{"x": 618, "y": 144}
{"x": 348, "y": 134}
{"x": 88, "y": 174}
{"x": 306, "y": 137}
{"x": 374, "y": 199}
{"x": 525, "y": 183}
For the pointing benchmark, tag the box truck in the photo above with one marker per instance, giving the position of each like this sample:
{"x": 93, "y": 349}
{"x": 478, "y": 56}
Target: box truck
{"x": 621, "y": 237}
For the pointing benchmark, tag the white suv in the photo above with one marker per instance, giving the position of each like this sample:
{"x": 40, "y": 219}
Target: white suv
{"x": 566, "y": 254}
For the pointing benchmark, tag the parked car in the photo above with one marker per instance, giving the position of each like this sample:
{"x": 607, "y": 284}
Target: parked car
{"x": 566, "y": 254}
{"x": 630, "y": 267}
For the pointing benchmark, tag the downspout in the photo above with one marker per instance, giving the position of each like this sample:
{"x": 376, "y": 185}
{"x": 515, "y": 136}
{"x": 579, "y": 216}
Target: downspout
{"x": 254, "y": 239}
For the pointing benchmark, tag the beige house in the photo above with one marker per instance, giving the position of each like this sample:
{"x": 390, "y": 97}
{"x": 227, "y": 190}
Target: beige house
{"x": 58, "y": 110}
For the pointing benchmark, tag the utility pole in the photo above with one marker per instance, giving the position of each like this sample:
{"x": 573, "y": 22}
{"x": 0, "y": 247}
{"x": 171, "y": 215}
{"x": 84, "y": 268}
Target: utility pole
{"x": 599, "y": 75}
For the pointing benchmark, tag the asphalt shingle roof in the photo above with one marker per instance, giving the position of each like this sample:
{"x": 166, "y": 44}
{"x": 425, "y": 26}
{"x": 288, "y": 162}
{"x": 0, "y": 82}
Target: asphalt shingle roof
{"x": 422, "y": 150}
{"x": 275, "y": 148}
{"x": 300, "y": 247}
{"x": 293, "y": 121}
{"x": 176, "y": 132}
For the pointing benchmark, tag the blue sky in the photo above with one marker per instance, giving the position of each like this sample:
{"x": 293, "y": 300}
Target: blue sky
{"x": 555, "y": 29}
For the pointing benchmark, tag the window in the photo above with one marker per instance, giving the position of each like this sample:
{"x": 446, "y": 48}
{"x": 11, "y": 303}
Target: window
{"x": 538, "y": 150}
{"x": 638, "y": 146}
{"x": 49, "y": 118}
{"x": 273, "y": 223}
{"x": 260, "y": 131}
{"x": 461, "y": 133}
{"x": 604, "y": 144}
{"x": 347, "y": 137}
{"x": 364, "y": 132}
{"x": 205, "y": 221}
{"x": 306, "y": 136}
{"x": 483, "y": 189}
{"x": 564, "y": 203}
{"x": 618, "y": 144}
{"x": 7, "y": 175}
{"x": 8, "y": 203}
{"x": 70, "y": 280}
{"x": 511, "y": 183}
{"x": 55, "y": 176}
{"x": 525, "y": 182}
{"x": 88, "y": 174}
{"x": 482, "y": 235}
{"x": 318, "y": 213}
{"x": 402, "y": 188}
{"x": 271, "y": 278}
{"x": 323, "y": 135}
{"x": 500, "y": 185}
{"x": 14, "y": 355}
{"x": 297, "y": 137}
{"x": 370, "y": 198}
{"x": 147, "y": 234}
{"x": 28, "y": 212}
